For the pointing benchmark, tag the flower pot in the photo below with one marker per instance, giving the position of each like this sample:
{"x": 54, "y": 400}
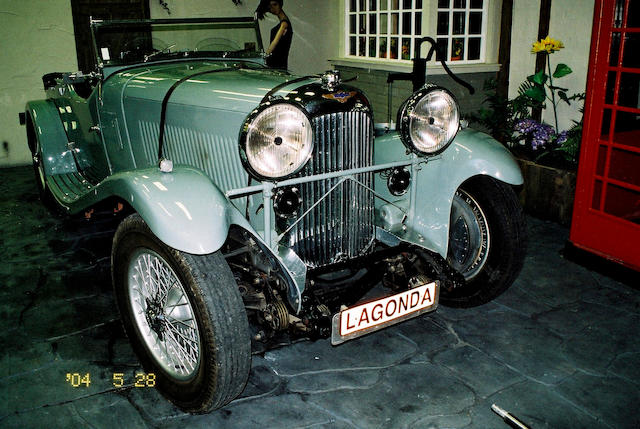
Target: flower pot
{"x": 547, "y": 192}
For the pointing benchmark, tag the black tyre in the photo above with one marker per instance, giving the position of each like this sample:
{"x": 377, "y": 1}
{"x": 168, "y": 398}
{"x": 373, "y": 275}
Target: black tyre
{"x": 184, "y": 317}
{"x": 487, "y": 241}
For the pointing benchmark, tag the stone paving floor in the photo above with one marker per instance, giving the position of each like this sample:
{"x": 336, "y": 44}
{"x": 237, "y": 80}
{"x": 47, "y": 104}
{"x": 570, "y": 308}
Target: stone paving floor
{"x": 560, "y": 349}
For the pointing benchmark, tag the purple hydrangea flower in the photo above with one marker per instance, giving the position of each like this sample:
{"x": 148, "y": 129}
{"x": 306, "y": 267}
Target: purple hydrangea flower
{"x": 540, "y": 134}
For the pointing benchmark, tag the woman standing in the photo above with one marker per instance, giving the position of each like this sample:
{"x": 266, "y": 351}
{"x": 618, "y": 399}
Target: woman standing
{"x": 281, "y": 34}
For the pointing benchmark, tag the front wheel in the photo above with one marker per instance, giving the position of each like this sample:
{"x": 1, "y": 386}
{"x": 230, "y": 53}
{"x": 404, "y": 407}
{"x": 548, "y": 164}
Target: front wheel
{"x": 487, "y": 241}
{"x": 184, "y": 317}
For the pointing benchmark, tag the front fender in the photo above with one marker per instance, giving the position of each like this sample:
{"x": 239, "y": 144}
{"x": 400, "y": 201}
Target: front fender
{"x": 186, "y": 211}
{"x": 472, "y": 153}
{"x": 183, "y": 208}
{"x": 49, "y": 131}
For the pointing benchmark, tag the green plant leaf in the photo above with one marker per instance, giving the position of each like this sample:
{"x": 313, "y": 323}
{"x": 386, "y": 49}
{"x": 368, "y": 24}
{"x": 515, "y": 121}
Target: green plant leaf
{"x": 563, "y": 96}
{"x": 537, "y": 93}
{"x": 562, "y": 70}
{"x": 539, "y": 78}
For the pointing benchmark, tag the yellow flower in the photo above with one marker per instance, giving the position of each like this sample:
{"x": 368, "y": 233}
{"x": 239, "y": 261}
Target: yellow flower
{"x": 547, "y": 45}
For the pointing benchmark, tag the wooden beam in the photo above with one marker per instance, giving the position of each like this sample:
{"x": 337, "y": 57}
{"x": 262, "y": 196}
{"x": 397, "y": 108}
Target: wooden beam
{"x": 504, "y": 52}
{"x": 543, "y": 31}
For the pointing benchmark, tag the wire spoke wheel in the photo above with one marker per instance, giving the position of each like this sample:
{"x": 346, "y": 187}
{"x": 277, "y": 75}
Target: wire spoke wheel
{"x": 184, "y": 317}
{"x": 163, "y": 314}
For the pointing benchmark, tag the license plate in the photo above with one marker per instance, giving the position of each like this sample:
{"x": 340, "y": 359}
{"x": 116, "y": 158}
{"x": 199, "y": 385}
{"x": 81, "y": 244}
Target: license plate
{"x": 369, "y": 317}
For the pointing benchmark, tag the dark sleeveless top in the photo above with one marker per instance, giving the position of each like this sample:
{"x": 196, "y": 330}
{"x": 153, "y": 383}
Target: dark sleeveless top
{"x": 279, "y": 58}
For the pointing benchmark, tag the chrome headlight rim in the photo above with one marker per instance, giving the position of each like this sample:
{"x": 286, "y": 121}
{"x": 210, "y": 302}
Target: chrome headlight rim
{"x": 244, "y": 134}
{"x": 408, "y": 107}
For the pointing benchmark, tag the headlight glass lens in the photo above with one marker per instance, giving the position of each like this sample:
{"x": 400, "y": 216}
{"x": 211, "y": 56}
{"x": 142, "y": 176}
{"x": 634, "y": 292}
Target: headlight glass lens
{"x": 279, "y": 141}
{"x": 432, "y": 122}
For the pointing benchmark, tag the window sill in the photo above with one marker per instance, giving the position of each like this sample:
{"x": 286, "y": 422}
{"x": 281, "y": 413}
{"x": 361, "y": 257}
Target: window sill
{"x": 432, "y": 69}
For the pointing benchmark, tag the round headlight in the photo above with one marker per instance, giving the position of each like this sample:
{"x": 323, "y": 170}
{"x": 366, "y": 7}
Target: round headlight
{"x": 429, "y": 120}
{"x": 278, "y": 141}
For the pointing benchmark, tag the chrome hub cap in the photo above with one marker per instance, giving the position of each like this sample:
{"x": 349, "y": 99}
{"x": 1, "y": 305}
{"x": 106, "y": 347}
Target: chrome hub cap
{"x": 469, "y": 236}
{"x": 163, "y": 314}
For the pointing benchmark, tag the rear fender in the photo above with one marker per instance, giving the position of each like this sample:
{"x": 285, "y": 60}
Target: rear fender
{"x": 49, "y": 132}
{"x": 472, "y": 153}
{"x": 186, "y": 211}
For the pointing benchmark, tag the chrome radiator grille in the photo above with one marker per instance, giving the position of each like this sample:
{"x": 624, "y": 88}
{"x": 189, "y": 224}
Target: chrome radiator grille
{"x": 341, "y": 226}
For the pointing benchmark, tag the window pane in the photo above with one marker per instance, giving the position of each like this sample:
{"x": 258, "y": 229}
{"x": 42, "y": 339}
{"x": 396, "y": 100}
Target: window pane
{"x": 352, "y": 45}
{"x": 606, "y": 124}
{"x": 458, "y": 23}
{"x": 443, "y": 47}
{"x": 627, "y": 129}
{"x": 363, "y": 24}
{"x": 418, "y": 20}
{"x": 615, "y": 49}
{"x": 383, "y": 48}
{"x": 443, "y": 4}
{"x": 406, "y": 49}
{"x": 372, "y": 5}
{"x": 459, "y": 4}
{"x": 610, "y": 88}
{"x": 394, "y": 23}
{"x": 618, "y": 13}
{"x": 352, "y": 24}
{"x": 622, "y": 203}
{"x": 372, "y": 46}
{"x": 474, "y": 48}
{"x": 363, "y": 5}
{"x": 383, "y": 4}
{"x": 352, "y": 6}
{"x": 443, "y": 23}
{"x": 406, "y": 4}
{"x": 602, "y": 160}
{"x": 373, "y": 24}
{"x": 475, "y": 23}
{"x": 362, "y": 49}
{"x": 406, "y": 23}
{"x": 476, "y": 4}
{"x": 418, "y": 4}
{"x": 633, "y": 16}
{"x": 630, "y": 58}
{"x": 628, "y": 92}
{"x": 597, "y": 193}
{"x": 393, "y": 52}
{"x": 457, "y": 49}
{"x": 383, "y": 24}
{"x": 624, "y": 166}
{"x": 395, "y": 4}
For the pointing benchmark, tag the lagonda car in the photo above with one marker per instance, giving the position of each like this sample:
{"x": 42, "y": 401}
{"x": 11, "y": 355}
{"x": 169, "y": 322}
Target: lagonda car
{"x": 259, "y": 203}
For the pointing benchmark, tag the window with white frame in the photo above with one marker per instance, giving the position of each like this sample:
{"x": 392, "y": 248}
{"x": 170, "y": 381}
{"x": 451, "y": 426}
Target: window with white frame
{"x": 461, "y": 28}
{"x": 388, "y": 29}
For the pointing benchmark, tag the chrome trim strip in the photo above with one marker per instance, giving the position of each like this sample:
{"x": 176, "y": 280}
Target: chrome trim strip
{"x": 248, "y": 190}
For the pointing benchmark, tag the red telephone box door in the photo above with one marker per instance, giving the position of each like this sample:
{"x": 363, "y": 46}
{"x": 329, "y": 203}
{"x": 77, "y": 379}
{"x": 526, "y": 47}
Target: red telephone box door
{"x": 606, "y": 215}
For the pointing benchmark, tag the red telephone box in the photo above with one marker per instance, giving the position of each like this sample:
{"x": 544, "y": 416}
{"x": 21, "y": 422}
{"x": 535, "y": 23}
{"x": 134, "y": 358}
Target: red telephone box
{"x": 606, "y": 215}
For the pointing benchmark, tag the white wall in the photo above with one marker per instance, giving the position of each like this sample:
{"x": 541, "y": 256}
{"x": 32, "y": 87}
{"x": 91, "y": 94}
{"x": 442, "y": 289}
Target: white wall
{"x": 36, "y": 37}
{"x": 571, "y": 23}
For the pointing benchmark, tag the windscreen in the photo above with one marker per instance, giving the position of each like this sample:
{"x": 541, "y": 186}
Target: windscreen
{"x": 132, "y": 42}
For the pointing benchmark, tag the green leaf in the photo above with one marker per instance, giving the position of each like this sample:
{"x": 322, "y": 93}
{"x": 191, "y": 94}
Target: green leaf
{"x": 562, "y": 70}
{"x": 537, "y": 93}
{"x": 563, "y": 96}
{"x": 539, "y": 78}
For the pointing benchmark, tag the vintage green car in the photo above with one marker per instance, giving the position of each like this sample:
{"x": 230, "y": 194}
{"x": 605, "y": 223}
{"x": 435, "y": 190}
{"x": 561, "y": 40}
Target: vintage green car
{"x": 256, "y": 203}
